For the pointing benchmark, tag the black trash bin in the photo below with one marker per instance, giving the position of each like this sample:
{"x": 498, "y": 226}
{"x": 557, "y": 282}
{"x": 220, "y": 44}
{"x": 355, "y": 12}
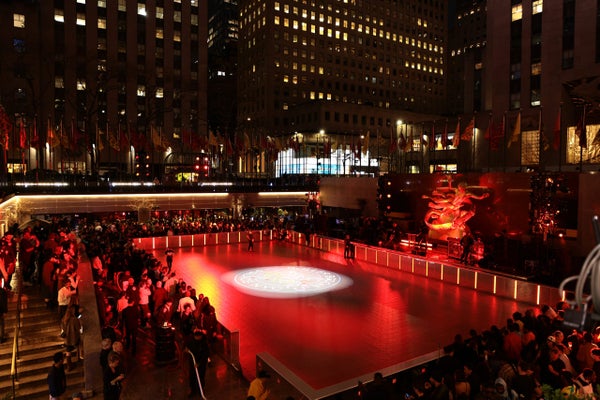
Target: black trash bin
{"x": 165, "y": 344}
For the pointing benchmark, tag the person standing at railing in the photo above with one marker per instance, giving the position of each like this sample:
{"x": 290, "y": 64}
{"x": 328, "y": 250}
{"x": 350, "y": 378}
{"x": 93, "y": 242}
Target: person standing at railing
{"x": 8, "y": 255}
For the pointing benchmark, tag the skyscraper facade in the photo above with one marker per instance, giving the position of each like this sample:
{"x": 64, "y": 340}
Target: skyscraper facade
{"x": 103, "y": 85}
{"x": 339, "y": 72}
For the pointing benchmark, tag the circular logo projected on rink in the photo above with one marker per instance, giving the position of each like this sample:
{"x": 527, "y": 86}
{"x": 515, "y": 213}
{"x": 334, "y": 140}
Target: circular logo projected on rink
{"x": 287, "y": 281}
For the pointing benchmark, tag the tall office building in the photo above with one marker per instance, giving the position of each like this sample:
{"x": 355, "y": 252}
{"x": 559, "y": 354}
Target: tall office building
{"x": 222, "y": 66}
{"x": 339, "y": 69}
{"x": 540, "y": 83}
{"x": 101, "y": 85}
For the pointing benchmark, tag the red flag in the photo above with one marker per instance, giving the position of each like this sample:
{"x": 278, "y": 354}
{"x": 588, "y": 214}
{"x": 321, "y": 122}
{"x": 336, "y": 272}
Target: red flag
{"x": 76, "y": 136}
{"x": 22, "y": 135}
{"x": 5, "y": 128}
{"x": 327, "y": 147}
{"x": 516, "y": 133}
{"x": 35, "y": 139}
{"x": 393, "y": 142}
{"x": 432, "y": 137}
{"x": 497, "y": 133}
{"x": 402, "y": 142}
{"x": 456, "y": 138}
{"x": 228, "y": 147}
{"x": 467, "y": 134}
{"x": 51, "y": 138}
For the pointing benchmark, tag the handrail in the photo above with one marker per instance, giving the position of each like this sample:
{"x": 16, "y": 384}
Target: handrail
{"x": 197, "y": 373}
{"x": 15, "y": 351}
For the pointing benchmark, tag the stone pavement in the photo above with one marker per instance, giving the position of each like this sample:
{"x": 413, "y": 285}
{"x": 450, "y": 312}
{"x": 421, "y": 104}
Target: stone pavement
{"x": 147, "y": 379}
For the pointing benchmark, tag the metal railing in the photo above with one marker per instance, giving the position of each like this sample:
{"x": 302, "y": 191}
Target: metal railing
{"x": 17, "y": 280}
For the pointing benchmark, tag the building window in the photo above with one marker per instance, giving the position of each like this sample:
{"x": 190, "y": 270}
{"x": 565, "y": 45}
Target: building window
{"x": 59, "y": 15}
{"x": 530, "y": 147}
{"x": 537, "y": 6}
{"x": 588, "y": 154}
{"x": 19, "y": 20}
{"x": 517, "y": 12}
{"x": 80, "y": 19}
{"x": 101, "y": 3}
{"x": 101, "y": 23}
{"x": 159, "y": 13}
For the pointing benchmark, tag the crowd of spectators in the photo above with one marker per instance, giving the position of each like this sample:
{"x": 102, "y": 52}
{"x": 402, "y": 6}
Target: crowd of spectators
{"x": 532, "y": 351}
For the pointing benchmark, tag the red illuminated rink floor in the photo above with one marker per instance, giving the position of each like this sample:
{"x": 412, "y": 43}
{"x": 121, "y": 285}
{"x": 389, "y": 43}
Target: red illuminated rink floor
{"x": 381, "y": 322}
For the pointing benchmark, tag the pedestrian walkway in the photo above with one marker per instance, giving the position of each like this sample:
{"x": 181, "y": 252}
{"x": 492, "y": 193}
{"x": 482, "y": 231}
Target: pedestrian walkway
{"x": 147, "y": 380}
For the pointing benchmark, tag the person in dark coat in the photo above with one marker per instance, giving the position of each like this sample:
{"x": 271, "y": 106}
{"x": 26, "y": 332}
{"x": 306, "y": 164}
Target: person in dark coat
{"x": 113, "y": 378}
{"x": 199, "y": 348}
{"x": 131, "y": 323}
{"x": 57, "y": 379}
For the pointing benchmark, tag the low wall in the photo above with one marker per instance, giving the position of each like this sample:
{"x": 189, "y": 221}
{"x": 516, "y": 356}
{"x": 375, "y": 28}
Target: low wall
{"x": 489, "y": 281}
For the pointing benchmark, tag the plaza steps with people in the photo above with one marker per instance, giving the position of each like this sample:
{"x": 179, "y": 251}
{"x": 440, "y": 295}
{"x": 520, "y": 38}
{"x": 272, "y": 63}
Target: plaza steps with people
{"x": 38, "y": 341}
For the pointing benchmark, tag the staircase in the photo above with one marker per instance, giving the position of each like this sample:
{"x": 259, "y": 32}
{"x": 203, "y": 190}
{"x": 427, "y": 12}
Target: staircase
{"x": 38, "y": 341}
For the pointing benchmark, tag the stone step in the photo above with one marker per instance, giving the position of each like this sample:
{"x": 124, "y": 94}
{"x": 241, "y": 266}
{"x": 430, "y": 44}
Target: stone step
{"x": 35, "y": 387}
{"x": 39, "y": 340}
{"x": 33, "y": 367}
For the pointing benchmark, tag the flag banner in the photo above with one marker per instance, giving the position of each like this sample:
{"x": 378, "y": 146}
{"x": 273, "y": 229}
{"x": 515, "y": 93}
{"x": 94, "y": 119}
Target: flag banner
{"x": 467, "y": 134}
{"x": 432, "y": 141}
{"x": 22, "y": 135}
{"x": 51, "y": 136}
{"x": 124, "y": 140}
{"x": 35, "y": 138}
{"x": 516, "y": 133}
{"x": 456, "y": 138}
{"x": 393, "y": 146}
{"x": 5, "y": 128}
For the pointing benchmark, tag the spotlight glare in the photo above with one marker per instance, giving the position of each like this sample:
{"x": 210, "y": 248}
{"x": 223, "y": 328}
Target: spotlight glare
{"x": 286, "y": 281}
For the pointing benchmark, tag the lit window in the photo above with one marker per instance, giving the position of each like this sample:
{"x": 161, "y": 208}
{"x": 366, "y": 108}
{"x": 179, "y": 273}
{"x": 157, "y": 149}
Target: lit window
{"x": 277, "y": 20}
{"x": 141, "y": 90}
{"x": 177, "y": 16}
{"x": 122, "y": 5}
{"x": 80, "y": 84}
{"x": 177, "y": 36}
{"x": 80, "y": 19}
{"x": 160, "y": 13}
{"x": 276, "y": 5}
{"x": 536, "y": 69}
{"x": 517, "y": 12}
{"x": 19, "y": 20}
{"x": 141, "y": 9}
{"x": 59, "y": 15}
{"x": 59, "y": 82}
{"x": 537, "y": 6}
{"x": 101, "y": 3}
{"x": 194, "y": 20}
{"x": 101, "y": 23}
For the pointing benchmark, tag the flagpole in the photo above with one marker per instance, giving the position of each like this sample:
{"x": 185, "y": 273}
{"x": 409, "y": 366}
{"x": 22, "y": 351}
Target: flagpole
{"x": 581, "y": 134}
{"x": 540, "y": 141}
{"x": 560, "y": 138}
{"x": 504, "y": 144}
{"x": 473, "y": 143}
